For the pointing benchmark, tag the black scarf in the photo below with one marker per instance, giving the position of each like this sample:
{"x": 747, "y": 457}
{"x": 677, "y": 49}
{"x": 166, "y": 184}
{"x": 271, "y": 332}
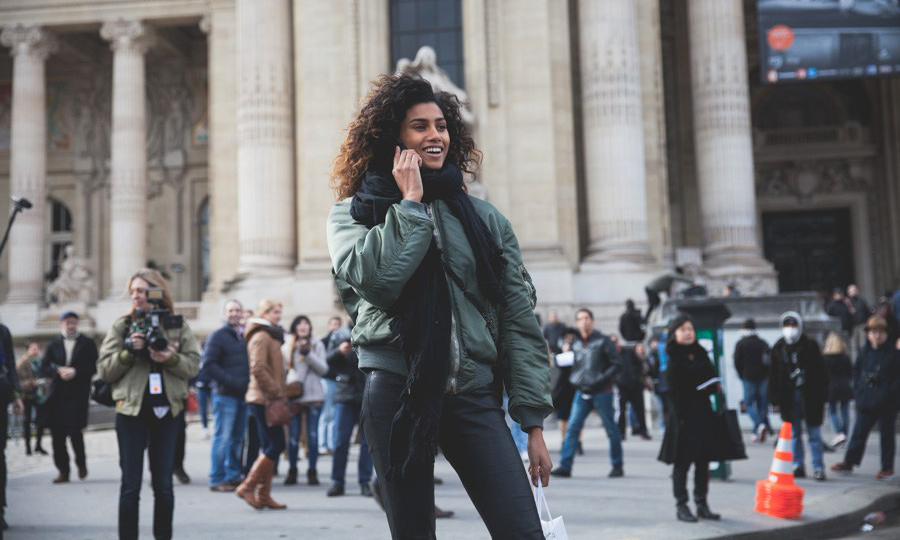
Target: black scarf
{"x": 421, "y": 316}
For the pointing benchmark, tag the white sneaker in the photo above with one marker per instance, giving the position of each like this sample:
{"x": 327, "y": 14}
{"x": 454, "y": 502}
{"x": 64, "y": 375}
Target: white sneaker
{"x": 761, "y": 432}
{"x": 838, "y": 439}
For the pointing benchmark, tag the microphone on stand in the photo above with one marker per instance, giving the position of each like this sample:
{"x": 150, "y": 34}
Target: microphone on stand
{"x": 21, "y": 203}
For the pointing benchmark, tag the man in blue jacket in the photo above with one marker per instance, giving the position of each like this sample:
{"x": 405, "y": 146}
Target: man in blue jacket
{"x": 226, "y": 364}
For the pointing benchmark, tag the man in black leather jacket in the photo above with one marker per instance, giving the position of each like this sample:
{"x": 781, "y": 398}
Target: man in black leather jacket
{"x": 596, "y": 364}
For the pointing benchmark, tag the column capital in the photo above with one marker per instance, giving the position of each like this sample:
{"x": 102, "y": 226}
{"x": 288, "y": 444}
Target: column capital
{"x": 128, "y": 34}
{"x": 34, "y": 40}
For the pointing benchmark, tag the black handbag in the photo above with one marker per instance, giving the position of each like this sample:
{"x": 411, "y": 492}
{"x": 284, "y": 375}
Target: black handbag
{"x": 101, "y": 392}
{"x": 729, "y": 439}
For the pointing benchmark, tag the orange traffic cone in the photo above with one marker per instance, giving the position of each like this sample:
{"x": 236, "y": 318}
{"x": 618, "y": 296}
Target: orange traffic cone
{"x": 777, "y": 496}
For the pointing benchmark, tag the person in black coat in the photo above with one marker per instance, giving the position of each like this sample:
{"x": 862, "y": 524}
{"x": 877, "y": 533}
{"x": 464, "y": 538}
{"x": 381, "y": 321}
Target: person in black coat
{"x": 690, "y": 432}
{"x": 9, "y": 392}
{"x": 70, "y": 361}
{"x": 631, "y": 323}
{"x": 798, "y": 386}
{"x": 630, "y": 381}
{"x": 877, "y": 382}
{"x": 752, "y": 359}
{"x": 840, "y": 385}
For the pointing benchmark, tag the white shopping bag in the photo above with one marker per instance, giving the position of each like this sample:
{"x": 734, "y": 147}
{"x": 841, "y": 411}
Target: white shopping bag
{"x": 553, "y": 527}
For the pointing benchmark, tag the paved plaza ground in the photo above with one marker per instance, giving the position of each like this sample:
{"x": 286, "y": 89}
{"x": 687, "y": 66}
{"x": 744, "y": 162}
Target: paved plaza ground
{"x": 640, "y": 505}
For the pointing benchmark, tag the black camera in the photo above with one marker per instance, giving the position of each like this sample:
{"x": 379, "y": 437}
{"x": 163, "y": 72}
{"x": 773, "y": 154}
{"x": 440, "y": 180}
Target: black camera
{"x": 870, "y": 379}
{"x": 151, "y": 323}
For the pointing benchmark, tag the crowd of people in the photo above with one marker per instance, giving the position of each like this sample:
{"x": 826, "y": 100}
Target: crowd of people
{"x": 795, "y": 378}
{"x": 442, "y": 338}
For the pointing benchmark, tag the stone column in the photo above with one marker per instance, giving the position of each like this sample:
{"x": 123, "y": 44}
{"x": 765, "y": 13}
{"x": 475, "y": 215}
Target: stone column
{"x": 128, "y": 176}
{"x": 723, "y": 141}
{"x": 265, "y": 137}
{"x": 219, "y": 25}
{"x": 613, "y": 133}
{"x": 28, "y": 168}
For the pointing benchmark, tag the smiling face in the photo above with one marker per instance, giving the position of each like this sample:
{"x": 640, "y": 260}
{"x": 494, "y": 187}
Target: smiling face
{"x": 425, "y": 130}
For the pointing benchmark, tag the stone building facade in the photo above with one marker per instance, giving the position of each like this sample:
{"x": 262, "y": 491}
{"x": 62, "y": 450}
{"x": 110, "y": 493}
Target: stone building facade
{"x": 620, "y": 138}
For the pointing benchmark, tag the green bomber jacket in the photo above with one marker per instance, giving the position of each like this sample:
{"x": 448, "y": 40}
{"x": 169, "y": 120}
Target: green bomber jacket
{"x": 128, "y": 374}
{"x": 371, "y": 267}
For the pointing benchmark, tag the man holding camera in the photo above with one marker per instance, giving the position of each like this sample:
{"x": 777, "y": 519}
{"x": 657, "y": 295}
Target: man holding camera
{"x": 876, "y": 378}
{"x": 798, "y": 386}
{"x": 70, "y": 361}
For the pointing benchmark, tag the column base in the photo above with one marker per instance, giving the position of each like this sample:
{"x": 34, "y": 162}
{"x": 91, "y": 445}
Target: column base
{"x": 747, "y": 270}
{"x": 616, "y": 254}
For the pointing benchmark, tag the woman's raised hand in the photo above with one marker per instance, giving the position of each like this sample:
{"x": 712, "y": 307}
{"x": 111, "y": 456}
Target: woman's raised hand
{"x": 406, "y": 174}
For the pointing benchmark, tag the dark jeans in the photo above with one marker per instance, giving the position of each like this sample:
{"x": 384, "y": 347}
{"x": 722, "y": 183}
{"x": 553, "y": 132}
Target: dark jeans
{"x": 347, "y": 415}
{"x": 701, "y": 481}
{"x": 61, "y": 455}
{"x": 865, "y": 421}
{"x": 636, "y": 400}
{"x": 839, "y": 412}
{"x": 39, "y": 414}
{"x": 271, "y": 439}
{"x": 204, "y": 396}
{"x": 312, "y": 413}
{"x": 476, "y": 441}
{"x": 158, "y": 436}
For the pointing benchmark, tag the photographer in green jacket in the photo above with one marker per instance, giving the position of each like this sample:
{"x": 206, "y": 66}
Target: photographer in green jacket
{"x": 147, "y": 357}
{"x": 443, "y": 311}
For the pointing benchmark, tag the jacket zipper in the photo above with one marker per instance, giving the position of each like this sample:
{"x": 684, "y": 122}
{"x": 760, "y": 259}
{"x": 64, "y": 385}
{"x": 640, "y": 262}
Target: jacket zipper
{"x": 455, "y": 346}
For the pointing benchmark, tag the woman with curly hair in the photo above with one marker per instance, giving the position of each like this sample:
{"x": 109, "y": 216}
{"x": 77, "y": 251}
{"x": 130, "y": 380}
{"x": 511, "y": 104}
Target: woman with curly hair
{"x": 443, "y": 312}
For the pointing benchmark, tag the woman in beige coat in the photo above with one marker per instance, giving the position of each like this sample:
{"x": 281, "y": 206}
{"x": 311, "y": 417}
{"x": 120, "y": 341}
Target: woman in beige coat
{"x": 264, "y": 339}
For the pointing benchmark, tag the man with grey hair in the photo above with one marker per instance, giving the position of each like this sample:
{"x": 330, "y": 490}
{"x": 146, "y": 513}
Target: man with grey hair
{"x": 226, "y": 363}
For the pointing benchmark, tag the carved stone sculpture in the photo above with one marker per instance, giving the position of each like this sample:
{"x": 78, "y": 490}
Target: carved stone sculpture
{"x": 75, "y": 282}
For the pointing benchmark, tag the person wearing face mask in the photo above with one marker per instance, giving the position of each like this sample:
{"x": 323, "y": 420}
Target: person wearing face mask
{"x": 443, "y": 312}
{"x": 798, "y": 386}
{"x": 876, "y": 377}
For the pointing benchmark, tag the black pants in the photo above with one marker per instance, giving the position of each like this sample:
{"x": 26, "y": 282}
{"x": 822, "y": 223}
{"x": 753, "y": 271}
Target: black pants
{"x": 476, "y": 441}
{"x": 39, "y": 413}
{"x": 701, "y": 481}
{"x": 865, "y": 421}
{"x": 636, "y": 399}
{"x": 180, "y": 442}
{"x": 61, "y": 454}
{"x": 652, "y": 301}
{"x": 158, "y": 436}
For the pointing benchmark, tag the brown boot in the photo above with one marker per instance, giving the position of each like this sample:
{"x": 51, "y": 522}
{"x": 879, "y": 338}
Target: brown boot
{"x": 264, "y": 488}
{"x": 247, "y": 489}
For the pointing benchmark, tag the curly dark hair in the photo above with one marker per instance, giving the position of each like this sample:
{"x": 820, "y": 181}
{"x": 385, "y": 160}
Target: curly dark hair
{"x": 373, "y": 135}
